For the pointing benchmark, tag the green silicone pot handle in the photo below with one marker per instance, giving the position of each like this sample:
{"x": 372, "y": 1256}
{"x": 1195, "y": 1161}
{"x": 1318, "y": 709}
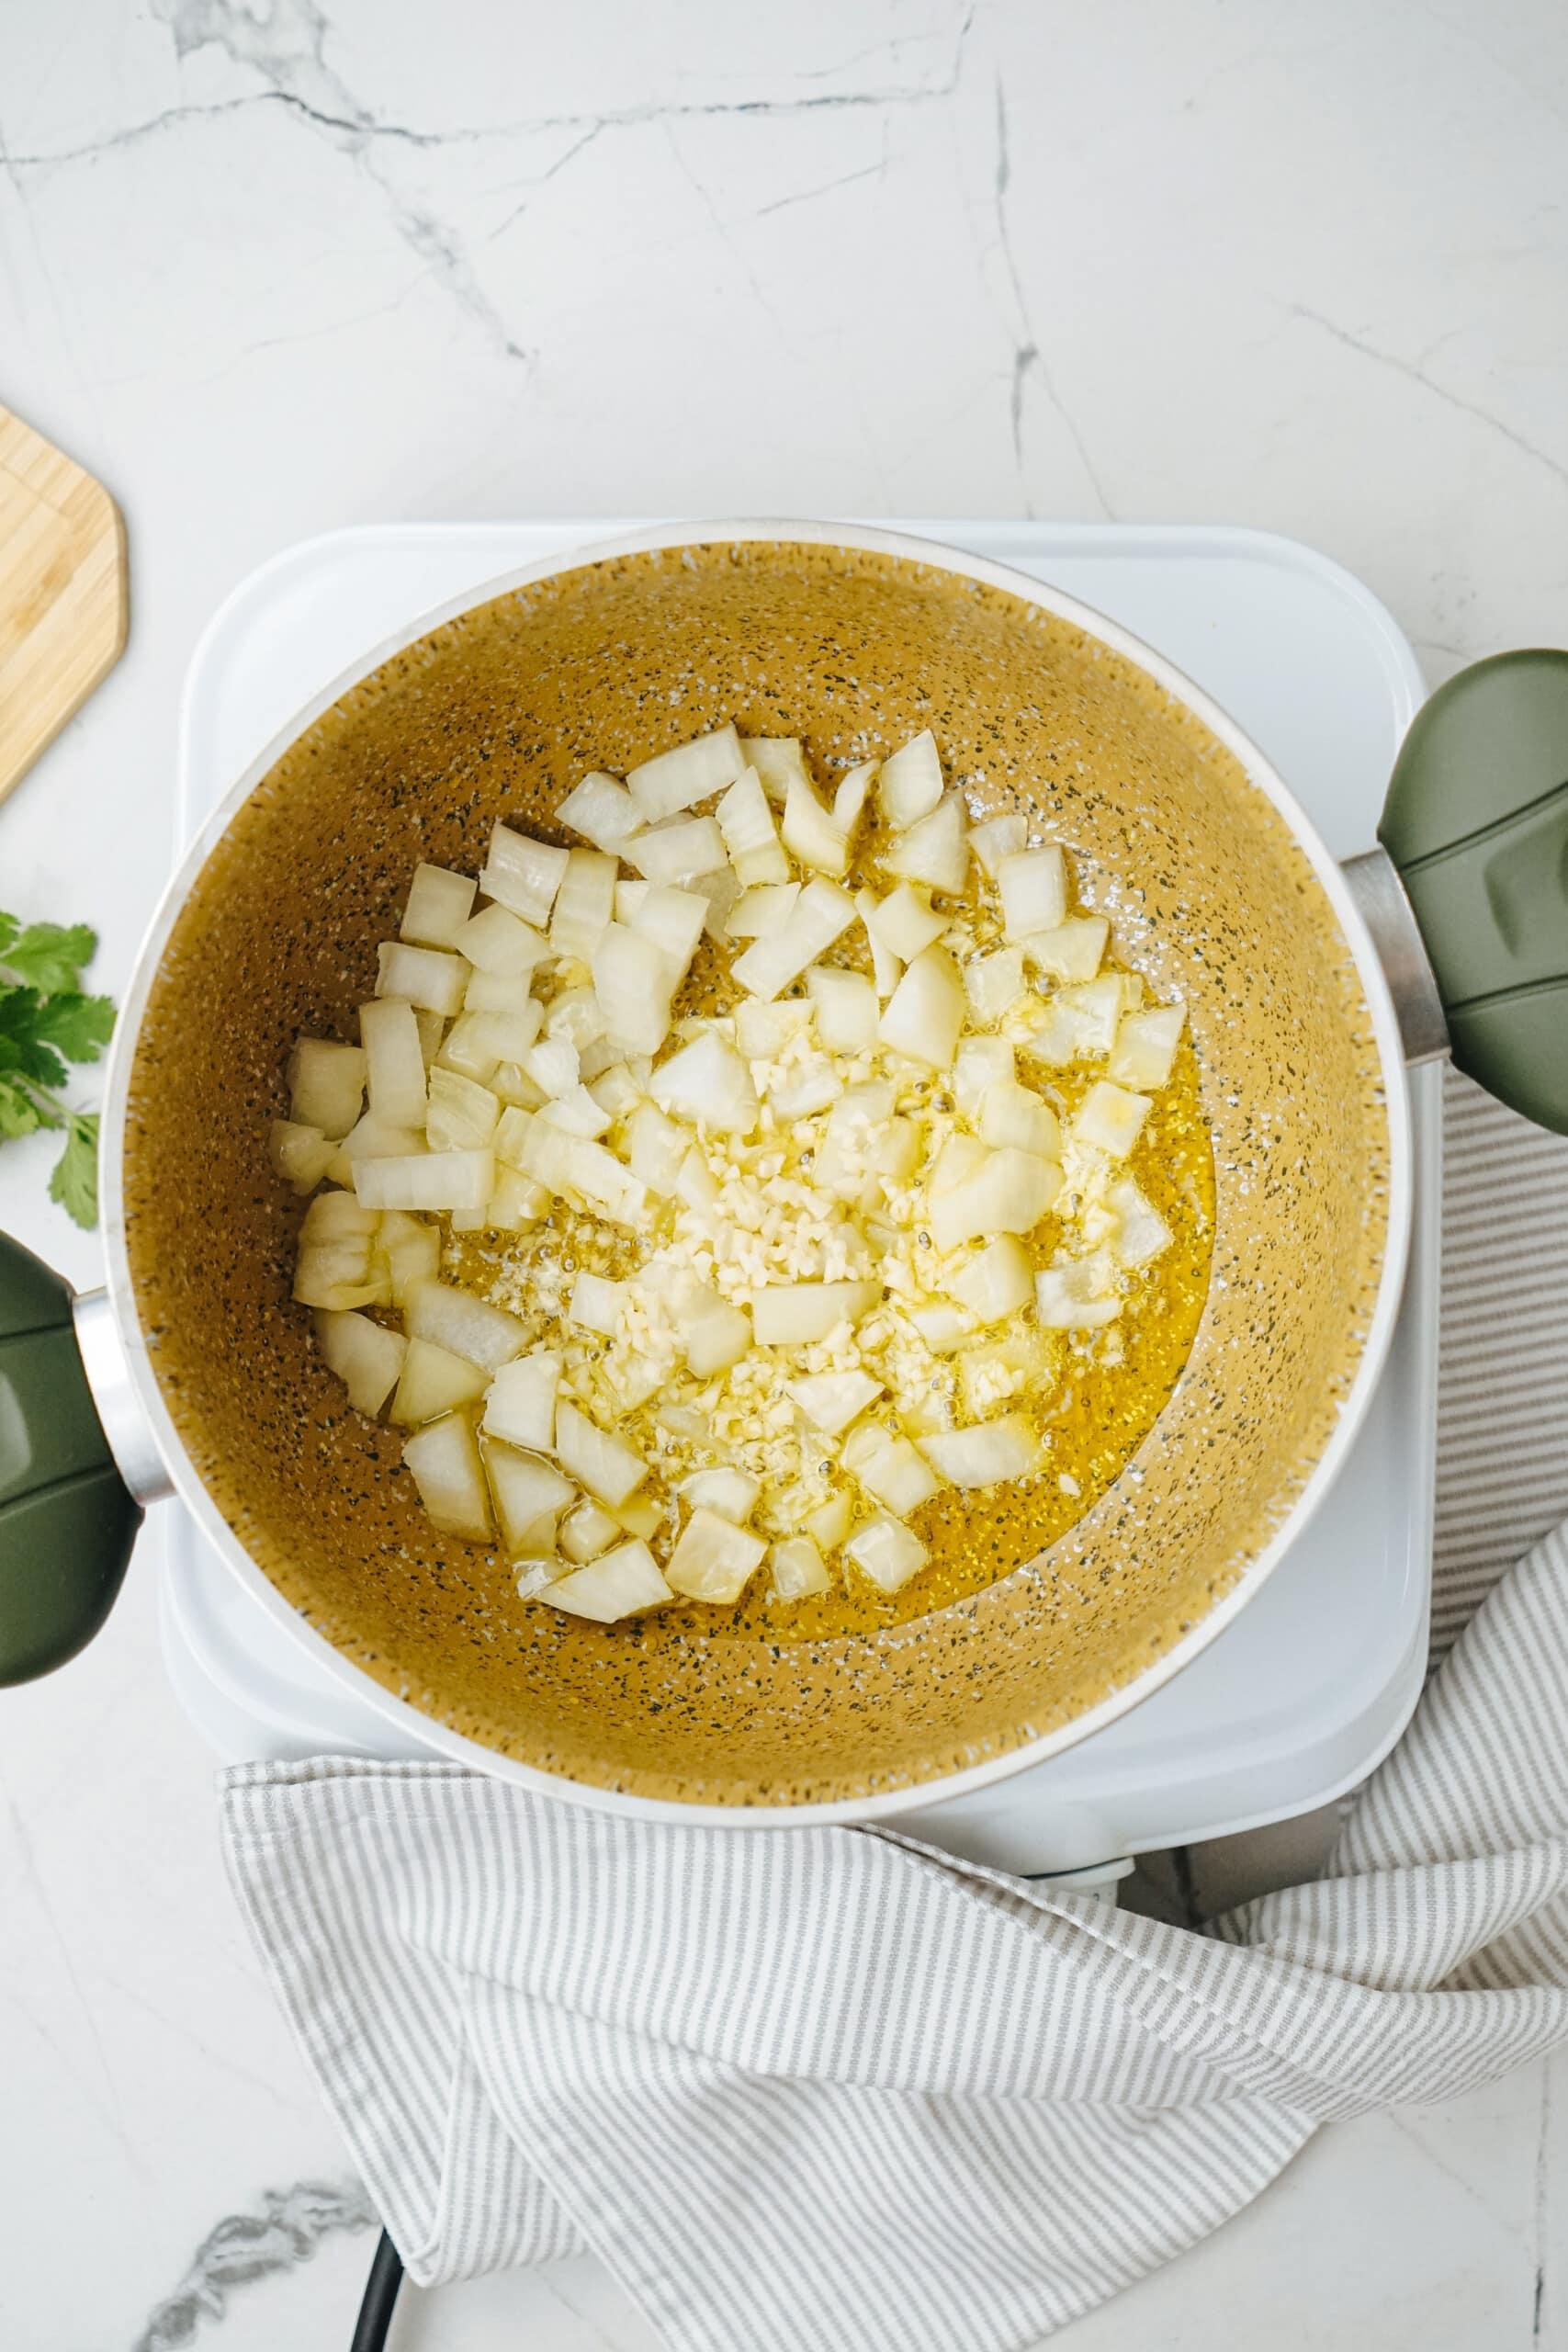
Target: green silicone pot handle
{"x": 1476, "y": 821}
{"x": 67, "y": 1519}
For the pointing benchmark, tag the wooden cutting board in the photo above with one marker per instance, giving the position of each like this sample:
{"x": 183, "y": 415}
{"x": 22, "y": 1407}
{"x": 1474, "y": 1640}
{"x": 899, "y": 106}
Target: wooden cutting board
{"x": 62, "y": 592}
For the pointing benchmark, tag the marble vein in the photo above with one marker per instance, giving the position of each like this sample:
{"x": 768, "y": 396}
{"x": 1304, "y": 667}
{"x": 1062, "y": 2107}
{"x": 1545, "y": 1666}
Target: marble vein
{"x": 1028, "y": 358}
{"x": 245, "y": 2246}
{"x": 1415, "y": 374}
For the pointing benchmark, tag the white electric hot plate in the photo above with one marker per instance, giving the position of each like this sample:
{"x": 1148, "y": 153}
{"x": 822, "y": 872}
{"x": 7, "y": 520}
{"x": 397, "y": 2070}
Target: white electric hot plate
{"x": 1314, "y": 1682}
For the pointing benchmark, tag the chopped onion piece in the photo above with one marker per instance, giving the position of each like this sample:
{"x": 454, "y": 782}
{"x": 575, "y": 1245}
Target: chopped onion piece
{"x": 522, "y": 874}
{"x": 936, "y": 851}
{"x": 844, "y": 1005}
{"x": 577, "y": 1111}
{"x": 673, "y": 920}
{"x": 759, "y": 913}
{"x": 433, "y": 1381}
{"x": 584, "y": 903}
{"x": 439, "y": 903}
{"x": 830, "y": 1521}
{"x": 573, "y": 1164}
{"x": 750, "y": 837}
{"x": 1111, "y": 1118}
{"x": 981, "y": 1064}
{"x": 888, "y": 1467}
{"x": 326, "y": 1085}
{"x": 602, "y": 811}
{"x": 819, "y": 915}
{"x": 809, "y": 1086}
{"x": 1141, "y": 1233}
{"x": 587, "y": 1530}
{"x": 713, "y": 1559}
{"x": 1010, "y": 1193}
{"x": 597, "y": 1461}
{"x": 910, "y": 782}
{"x": 832, "y": 1400}
{"x": 499, "y": 941}
{"x": 620, "y": 1584}
{"x": 640, "y": 1515}
{"x": 467, "y": 1048}
{"x": 444, "y": 1463}
{"x": 299, "y": 1154}
{"x": 731, "y": 1493}
{"x": 708, "y": 1083}
{"x": 999, "y": 1280}
{"x": 461, "y": 1116}
{"x": 1033, "y": 886}
{"x": 456, "y": 1182}
{"x": 521, "y": 1406}
{"x": 985, "y": 1455}
{"x": 908, "y": 922}
{"x": 958, "y": 1160}
{"x": 595, "y": 1303}
{"x": 427, "y": 976}
{"x": 1145, "y": 1051}
{"x": 885, "y": 967}
{"x": 1011, "y": 1113}
{"x": 634, "y": 982}
{"x": 941, "y": 1327}
{"x": 850, "y": 795}
{"x": 337, "y": 1216}
{"x": 676, "y": 852}
{"x": 777, "y": 758}
{"x": 997, "y": 838}
{"x": 524, "y": 1491}
{"x": 716, "y": 1337}
{"x": 452, "y": 1319}
{"x": 811, "y": 833}
{"x": 886, "y": 1552}
{"x": 762, "y": 1031}
{"x": 924, "y": 1015}
{"x": 677, "y": 779}
{"x": 501, "y": 992}
{"x": 1070, "y": 1297}
{"x": 797, "y": 1567}
{"x": 552, "y": 1065}
{"x": 537, "y": 1574}
{"x": 657, "y": 1148}
{"x": 794, "y": 1314}
{"x": 1072, "y": 951}
{"x": 515, "y": 1202}
{"x": 366, "y": 1356}
{"x": 993, "y": 984}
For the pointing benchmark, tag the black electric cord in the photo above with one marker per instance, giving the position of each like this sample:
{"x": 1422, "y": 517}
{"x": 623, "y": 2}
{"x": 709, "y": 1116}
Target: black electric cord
{"x": 380, "y": 2295}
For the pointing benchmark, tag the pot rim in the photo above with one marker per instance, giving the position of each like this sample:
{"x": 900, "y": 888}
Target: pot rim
{"x": 914, "y": 1796}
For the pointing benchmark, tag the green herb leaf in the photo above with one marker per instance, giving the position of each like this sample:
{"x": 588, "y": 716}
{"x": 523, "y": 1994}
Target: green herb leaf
{"x": 49, "y": 956}
{"x": 20, "y": 1049}
{"x": 19, "y": 1113}
{"x": 74, "y": 1183}
{"x": 77, "y": 1026}
{"x": 9, "y": 927}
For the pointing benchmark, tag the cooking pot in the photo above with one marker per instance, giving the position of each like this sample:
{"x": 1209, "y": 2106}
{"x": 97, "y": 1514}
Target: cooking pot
{"x": 1308, "y": 987}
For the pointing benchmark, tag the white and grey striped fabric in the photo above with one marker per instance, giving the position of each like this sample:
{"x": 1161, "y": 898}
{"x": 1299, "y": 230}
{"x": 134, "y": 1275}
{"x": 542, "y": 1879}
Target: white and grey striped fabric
{"x": 824, "y": 2088}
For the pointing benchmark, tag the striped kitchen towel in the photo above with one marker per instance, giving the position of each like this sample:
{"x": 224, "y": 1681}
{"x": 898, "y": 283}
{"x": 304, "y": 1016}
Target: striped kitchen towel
{"x": 828, "y": 2089}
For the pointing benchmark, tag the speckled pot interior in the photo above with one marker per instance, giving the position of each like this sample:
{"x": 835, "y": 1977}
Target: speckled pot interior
{"x": 498, "y": 713}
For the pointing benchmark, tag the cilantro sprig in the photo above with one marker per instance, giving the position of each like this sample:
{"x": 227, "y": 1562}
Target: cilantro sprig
{"x": 47, "y": 1019}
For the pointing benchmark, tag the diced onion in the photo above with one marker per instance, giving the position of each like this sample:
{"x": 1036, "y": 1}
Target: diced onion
{"x": 326, "y": 1085}
{"x": 439, "y": 902}
{"x": 618, "y": 1585}
{"x": 587, "y": 1530}
{"x": 455, "y": 1319}
{"x": 524, "y": 1490}
{"x": 1033, "y": 886}
{"x": 299, "y": 1154}
{"x": 498, "y": 941}
{"x": 995, "y": 1282}
{"x": 777, "y": 758}
{"x": 1111, "y": 1118}
{"x": 936, "y": 851}
{"x": 731, "y": 1493}
{"x": 713, "y": 1559}
{"x": 997, "y": 838}
{"x": 832, "y": 1400}
{"x": 394, "y": 1063}
{"x": 1014, "y": 1115}
{"x": 830, "y": 1522}
{"x": 633, "y": 980}
{"x": 602, "y": 811}
{"x": 984, "y": 1455}
{"x": 445, "y": 1462}
{"x": 366, "y": 1356}
{"x": 750, "y": 837}
{"x": 521, "y": 1405}
{"x": 433, "y": 1381}
{"x": 453, "y": 1181}
{"x": 1140, "y": 1234}
{"x": 908, "y": 922}
{"x": 757, "y": 913}
{"x": 981, "y": 1063}
{"x": 522, "y": 874}
{"x": 708, "y": 1083}
{"x": 925, "y": 1013}
{"x": 677, "y": 779}
{"x": 821, "y": 913}
{"x": 597, "y": 1461}
{"x": 584, "y": 903}
{"x": 461, "y": 1115}
{"x": 884, "y": 965}
{"x": 811, "y": 833}
{"x": 1066, "y": 1298}
{"x": 794, "y": 1314}
{"x": 844, "y": 1005}
{"x": 1072, "y": 951}
{"x": 1010, "y": 1193}
{"x": 797, "y": 1569}
{"x": 910, "y": 782}
{"x": 886, "y": 1552}
{"x": 676, "y": 852}
{"x": 888, "y": 1467}
{"x": 1144, "y": 1050}
{"x": 595, "y": 1303}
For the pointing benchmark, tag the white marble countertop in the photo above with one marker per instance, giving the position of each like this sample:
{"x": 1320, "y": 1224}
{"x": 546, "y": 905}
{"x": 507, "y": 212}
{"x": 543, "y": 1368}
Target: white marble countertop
{"x": 268, "y": 268}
